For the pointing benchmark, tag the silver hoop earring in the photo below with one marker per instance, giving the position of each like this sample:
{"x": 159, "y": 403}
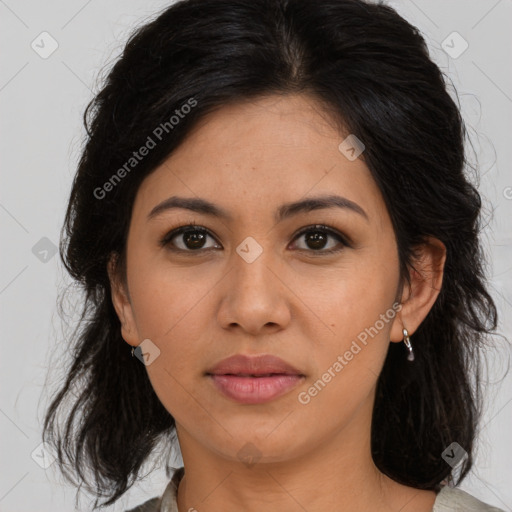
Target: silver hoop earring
{"x": 407, "y": 341}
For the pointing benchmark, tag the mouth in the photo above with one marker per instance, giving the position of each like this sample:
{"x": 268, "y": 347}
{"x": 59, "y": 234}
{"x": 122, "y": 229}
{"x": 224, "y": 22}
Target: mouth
{"x": 254, "y": 375}
{"x": 254, "y": 379}
{"x": 255, "y": 389}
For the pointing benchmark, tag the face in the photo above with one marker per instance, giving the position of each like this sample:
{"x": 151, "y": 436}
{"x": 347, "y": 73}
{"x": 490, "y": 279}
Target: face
{"x": 255, "y": 283}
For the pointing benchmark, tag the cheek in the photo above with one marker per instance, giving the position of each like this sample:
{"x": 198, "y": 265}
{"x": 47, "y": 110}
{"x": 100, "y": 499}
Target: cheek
{"x": 166, "y": 298}
{"x": 351, "y": 299}
{"x": 171, "y": 316}
{"x": 171, "y": 307}
{"x": 357, "y": 310}
{"x": 349, "y": 359}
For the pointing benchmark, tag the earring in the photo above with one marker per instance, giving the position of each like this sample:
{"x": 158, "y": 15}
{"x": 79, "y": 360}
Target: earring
{"x": 407, "y": 341}
{"x": 133, "y": 349}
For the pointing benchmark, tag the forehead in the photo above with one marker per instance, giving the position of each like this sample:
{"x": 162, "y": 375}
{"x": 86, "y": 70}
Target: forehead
{"x": 258, "y": 154}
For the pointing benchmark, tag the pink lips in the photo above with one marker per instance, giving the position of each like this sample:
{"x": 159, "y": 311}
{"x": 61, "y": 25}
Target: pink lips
{"x": 254, "y": 380}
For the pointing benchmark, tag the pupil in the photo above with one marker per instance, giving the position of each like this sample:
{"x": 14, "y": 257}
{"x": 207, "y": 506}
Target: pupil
{"x": 317, "y": 239}
{"x": 196, "y": 238}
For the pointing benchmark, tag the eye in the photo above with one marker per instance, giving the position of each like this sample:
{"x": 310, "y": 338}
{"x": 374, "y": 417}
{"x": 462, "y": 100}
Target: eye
{"x": 190, "y": 238}
{"x": 316, "y": 238}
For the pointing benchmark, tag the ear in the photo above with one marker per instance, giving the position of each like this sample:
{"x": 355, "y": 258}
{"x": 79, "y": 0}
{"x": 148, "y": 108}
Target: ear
{"x": 121, "y": 301}
{"x": 426, "y": 281}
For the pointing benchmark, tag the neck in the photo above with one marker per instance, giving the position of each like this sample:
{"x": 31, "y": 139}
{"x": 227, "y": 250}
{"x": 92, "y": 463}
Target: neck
{"x": 338, "y": 474}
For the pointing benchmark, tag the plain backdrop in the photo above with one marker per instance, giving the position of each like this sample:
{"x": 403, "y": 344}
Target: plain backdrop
{"x": 43, "y": 95}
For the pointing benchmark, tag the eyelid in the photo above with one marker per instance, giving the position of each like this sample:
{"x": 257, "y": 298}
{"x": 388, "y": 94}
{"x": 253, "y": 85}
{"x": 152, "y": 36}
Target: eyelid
{"x": 327, "y": 229}
{"x": 183, "y": 228}
{"x": 193, "y": 226}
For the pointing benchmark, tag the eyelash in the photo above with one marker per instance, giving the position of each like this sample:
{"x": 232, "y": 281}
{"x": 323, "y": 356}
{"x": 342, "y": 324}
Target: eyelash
{"x": 193, "y": 227}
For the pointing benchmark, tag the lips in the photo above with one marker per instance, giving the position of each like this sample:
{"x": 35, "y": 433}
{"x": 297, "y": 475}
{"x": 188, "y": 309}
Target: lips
{"x": 255, "y": 366}
{"x": 254, "y": 380}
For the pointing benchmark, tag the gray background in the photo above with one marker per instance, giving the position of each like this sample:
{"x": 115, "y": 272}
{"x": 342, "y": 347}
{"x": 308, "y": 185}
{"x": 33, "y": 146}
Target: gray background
{"x": 42, "y": 101}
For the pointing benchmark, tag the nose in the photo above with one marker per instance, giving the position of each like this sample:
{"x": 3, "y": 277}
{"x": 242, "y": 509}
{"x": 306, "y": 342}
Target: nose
{"x": 255, "y": 297}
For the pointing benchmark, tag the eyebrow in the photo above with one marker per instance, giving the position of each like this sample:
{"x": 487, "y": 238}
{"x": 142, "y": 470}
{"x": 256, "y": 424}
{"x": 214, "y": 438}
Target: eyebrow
{"x": 285, "y": 211}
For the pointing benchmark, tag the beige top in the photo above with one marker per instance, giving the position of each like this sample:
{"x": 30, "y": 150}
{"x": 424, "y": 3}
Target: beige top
{"x": 448, "y": 500}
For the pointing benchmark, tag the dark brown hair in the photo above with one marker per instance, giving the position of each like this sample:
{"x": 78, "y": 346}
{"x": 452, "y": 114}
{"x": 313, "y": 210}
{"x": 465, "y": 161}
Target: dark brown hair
{"x": 371, "y": 69}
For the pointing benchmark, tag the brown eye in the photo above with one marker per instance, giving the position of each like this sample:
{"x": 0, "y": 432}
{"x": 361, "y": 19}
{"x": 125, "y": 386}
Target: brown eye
{"x": 316, "y": 239}
{"x": 191, "y": 238}
{"x": 188, "y": 239}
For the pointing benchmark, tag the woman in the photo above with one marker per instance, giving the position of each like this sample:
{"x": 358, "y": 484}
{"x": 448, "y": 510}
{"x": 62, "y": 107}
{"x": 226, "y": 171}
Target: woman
{"x": 271, "y": 212}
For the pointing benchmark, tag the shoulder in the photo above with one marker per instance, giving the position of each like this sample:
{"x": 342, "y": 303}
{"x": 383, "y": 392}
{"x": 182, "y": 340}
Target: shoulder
{"x": 456, "y": 500}
{"x": 168, "y": 501}
{"x": 148, "y": 506}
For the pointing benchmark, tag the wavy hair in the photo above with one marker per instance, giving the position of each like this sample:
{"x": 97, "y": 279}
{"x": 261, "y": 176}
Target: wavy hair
{"x": 371, "y": 72}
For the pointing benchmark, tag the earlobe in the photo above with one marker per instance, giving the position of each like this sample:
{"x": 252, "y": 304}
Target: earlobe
{"x": 426, "y": 280}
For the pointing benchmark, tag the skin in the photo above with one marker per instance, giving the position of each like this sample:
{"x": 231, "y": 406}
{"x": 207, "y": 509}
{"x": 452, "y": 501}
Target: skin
{"x": 292, "y": 301}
